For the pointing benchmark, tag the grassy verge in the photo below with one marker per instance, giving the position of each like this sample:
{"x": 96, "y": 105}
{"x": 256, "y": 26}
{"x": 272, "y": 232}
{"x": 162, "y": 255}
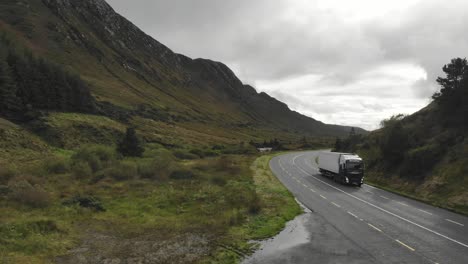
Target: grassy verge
{"x": 413, "y": 191}
{"x": 278, "y": 206}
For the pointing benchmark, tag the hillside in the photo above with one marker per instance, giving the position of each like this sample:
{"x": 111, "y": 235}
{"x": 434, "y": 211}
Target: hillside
{"x": 114, "y": 148}
{"x": 424, "y": 155}
{"x": 138, "y": 81}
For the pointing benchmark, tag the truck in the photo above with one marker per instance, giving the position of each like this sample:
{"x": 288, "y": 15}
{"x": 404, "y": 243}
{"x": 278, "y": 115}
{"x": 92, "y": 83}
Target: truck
{"x": 346, "y": 168}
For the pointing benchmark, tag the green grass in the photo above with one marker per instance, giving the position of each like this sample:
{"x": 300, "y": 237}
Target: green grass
{"x": 278, "y": 207}
{"x": 230, "y": 199}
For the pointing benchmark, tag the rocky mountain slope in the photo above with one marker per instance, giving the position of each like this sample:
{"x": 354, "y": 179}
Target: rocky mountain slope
{"x": 132, "y": 75}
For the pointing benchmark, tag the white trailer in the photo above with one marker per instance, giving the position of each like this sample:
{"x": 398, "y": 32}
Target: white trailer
{"x": 342, "y": 167}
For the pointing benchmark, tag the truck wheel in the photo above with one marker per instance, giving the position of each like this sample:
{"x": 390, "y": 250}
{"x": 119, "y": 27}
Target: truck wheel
{"x": 359, "y": 185}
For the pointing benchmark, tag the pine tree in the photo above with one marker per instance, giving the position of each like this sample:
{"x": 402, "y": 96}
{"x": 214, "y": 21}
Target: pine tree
{"x": 130, "y": 146}
{"x": 8, "y": 100}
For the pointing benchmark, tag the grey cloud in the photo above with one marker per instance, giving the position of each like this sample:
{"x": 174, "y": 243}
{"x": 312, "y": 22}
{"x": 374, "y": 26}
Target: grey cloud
{"x": 262, "y": 45}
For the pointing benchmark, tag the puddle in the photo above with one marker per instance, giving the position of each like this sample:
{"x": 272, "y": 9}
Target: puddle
{"x": 295, "y": 233}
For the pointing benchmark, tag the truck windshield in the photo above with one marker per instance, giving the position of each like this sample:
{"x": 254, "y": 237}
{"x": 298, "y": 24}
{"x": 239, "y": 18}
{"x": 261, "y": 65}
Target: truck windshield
{"x": 354, "y": 165}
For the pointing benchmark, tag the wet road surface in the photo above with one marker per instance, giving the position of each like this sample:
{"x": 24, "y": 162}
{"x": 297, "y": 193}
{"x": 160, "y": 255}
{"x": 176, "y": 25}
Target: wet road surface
{"x": 348, "y": 224}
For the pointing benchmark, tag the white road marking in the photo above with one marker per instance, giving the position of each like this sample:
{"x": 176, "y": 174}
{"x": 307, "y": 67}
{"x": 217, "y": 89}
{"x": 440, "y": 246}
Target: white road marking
{"x": 386, "y": 198}
{"x": 369, "y": 192}
{"x": 451, "y": 221}
{"x": 304, "y": 185}
{"x": 374, "y": 227}
{"x": 337, "y": 205}
{"x": 311, "y": 189}
{"x": 323, "y": 197}
{"x": 426, "y": 212}
{"x": 353, "y": 214}
{"x": 406, "y": 246}
{"x": 403, "y": 204}
{"x": 381, "y": 209}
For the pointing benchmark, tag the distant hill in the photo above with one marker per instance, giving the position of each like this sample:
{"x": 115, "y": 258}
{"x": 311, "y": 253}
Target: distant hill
{"x": 424, "y": 155}
{"x": 136, "y": 80}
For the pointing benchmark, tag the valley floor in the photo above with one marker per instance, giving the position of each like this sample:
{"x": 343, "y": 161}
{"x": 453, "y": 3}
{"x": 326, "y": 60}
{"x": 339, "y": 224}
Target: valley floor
{"x": 204, "y": 211}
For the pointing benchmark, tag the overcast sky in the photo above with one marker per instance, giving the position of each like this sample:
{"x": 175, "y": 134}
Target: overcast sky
{"x": 339, "y": 61}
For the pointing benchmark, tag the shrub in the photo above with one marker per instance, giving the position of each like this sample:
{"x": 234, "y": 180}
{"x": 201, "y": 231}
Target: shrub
{"x": 158, "y": 168}
{"x": 219, "y": 180}
{"x": 81, "y": 170}
{"x": 4, "y": 190}
{"x": 185, "y": 155}
{"x": 97, "y": 156}
{"x": 255, "y": 206}
{"x": 239, "y": 194}
{"x": 420, "y": 160}
{"x": 56, "y": 165}
{"x": 22, "y": 230}
{"x": 24, "y": 193}
{"x": 86, "y": 202}
{"x": 198, "y": 152}
{"x": 235, "y": 217}
{"x": 182, "y": 175}
{"x": 210, "y": 153}
{"x": 6, "y": 173}
{"x": 225, "y": 164}
{"x": 125, "y": 170}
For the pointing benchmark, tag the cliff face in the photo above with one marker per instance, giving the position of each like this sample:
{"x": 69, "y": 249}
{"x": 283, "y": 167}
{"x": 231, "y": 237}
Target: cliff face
{"x": 126, "y": 67}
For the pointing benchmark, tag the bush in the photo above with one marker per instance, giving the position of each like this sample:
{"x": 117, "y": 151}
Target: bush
{"x": 235, "y": 217}
{"x": 4, "y": 190}
{"x": 86, "y": 202}
{"x": 198, "y": 152}
{"x": 210, "y": 153}
{"x": 420, "y": 160}
{"x": 81, "y": 170}
{"x": 125, "y": 170}
{"x": 182, "y": 175}
{"x": 239, "y": 194}
{"x": 22, "y": 230}
{"x": 219, "y": 180}
{"x": 56, "y": 165}
{"x": 24, "y": 193}
{"x": 255, "y": 206}
{"x": 6, "y": 174}
{"x": 159, "y": 168}
{"x": 225, "y": 164}
{"x": 185, "y": 155}
{"x": 97, "y": 156}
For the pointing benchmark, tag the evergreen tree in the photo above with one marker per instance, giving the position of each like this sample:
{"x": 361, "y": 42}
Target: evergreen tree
{"x": 456, "y": 71}
{"x": 8, "y": 100}
{"x": 338, "y": 145}
{"x": 130, "y": 146}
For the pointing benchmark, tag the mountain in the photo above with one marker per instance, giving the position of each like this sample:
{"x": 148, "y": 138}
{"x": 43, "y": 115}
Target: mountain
{"x": 135, "y": 80}
{"x": 424, "y": 155}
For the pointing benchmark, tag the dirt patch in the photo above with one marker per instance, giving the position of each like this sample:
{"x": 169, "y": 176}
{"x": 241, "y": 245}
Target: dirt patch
{"x": 105, "y": 249}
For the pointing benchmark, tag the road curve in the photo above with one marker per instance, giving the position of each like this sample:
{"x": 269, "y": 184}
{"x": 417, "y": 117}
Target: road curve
{"x": 367, "y": 224}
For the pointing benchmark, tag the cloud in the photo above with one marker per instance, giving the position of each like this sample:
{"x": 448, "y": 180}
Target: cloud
{"x": 345, "y": 62}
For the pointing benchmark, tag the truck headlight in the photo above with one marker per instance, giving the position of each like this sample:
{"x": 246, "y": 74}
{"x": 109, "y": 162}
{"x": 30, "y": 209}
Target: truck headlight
{"x": 347, "y": 180}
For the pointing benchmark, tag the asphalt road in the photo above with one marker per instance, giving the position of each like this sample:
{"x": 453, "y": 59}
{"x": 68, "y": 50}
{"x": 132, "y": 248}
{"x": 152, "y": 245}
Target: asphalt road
{"x": 348, "y": 224}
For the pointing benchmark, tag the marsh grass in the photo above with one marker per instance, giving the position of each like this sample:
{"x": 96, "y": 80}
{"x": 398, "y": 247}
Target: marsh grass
{"x": 50, "y": 205}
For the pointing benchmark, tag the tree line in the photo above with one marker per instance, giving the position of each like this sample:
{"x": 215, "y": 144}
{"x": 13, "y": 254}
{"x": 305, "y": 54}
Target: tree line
{"x": 415, "y": 147}
{"x": 29, "y": 84}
